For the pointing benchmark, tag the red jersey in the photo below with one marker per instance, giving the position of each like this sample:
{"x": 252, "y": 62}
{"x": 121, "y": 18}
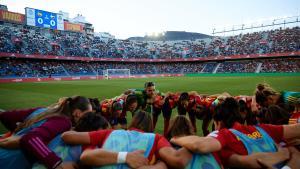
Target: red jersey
{"x": 106, "y": 107}
{"x": 6, "y": 135}
{"x": 158, "y": 101}
{"x": 98, "y": 138}
{"x": 173, "y": 100}
{"x": 295, "y": 118}
{"x": 208, "y": 102}
{"x": 193, "y": 101}
{"x": 232, "y": 145}
{"x": 197, "y": 100}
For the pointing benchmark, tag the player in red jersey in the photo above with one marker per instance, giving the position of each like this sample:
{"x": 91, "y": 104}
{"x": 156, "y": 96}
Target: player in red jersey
{"x": 114, "y": 110}
{"x": 197, "y": 106}
{"x": 234, "y": 138}
{"x": 165, "y": 104}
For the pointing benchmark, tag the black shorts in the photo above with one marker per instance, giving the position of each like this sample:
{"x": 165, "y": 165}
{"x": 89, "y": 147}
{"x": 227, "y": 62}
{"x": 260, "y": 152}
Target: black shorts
{"x": 181, "y": 110}
{"x": 156, "y": 111}
{"x": 166, "y": 110}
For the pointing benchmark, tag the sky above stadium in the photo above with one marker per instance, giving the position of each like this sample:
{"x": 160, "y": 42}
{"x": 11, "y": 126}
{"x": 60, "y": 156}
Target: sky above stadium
{"x": 126, "y": 18}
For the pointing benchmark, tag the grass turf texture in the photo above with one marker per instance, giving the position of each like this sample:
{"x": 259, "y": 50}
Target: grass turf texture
{"x": 26, "y": 95}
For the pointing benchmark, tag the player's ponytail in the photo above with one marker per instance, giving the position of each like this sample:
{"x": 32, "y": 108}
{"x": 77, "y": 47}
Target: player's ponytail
{"x": 64, "y": 107}
{"x": 143, "y": 121}
{"x": 262, "y": 92}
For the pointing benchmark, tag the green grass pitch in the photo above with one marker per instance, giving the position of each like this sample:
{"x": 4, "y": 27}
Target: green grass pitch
{"x": 25, "y": 95}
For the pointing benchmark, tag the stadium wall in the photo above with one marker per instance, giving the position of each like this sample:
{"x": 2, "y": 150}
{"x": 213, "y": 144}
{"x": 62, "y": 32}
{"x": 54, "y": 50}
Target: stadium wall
{"x": 240, "y": 74}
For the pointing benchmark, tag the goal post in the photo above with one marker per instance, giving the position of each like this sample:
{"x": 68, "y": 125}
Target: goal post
{"x": 119, "y": 73}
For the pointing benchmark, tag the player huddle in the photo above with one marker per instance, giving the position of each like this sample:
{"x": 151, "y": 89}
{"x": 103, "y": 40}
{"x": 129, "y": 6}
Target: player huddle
{"x": 256, "y": 131}
{"x": 197, "y": 106}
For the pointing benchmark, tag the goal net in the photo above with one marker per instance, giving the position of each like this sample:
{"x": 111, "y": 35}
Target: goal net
{"x": 118, "y": 73}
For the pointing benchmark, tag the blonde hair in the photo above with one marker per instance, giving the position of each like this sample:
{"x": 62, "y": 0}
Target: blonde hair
{"x": 64, "y": 107}
{"x": 142, "y": 120}
{"x": 180, "y": 126}
{"x": 263, "y": 91}
{"x": 265, "y": 87}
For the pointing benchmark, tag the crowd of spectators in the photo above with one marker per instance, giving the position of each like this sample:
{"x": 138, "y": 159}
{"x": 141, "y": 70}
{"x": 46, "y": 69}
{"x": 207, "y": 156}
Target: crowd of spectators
{"x": 280, "y": 65}
{"x": 209, "y": 67}
{"x": 77, "y": 68}
{"x": 30, "y": 68}
{"x": 35, "y": 40}
{"x": 238, "y": 67}
{"x": 47, "y": 68}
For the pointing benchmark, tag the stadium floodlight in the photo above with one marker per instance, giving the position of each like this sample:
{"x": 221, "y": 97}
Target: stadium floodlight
{"x": 117, "y": 73}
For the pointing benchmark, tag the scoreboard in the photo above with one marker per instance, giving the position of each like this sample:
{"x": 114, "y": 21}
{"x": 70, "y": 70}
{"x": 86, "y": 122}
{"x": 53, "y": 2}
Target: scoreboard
{"x": 44, "y": 19}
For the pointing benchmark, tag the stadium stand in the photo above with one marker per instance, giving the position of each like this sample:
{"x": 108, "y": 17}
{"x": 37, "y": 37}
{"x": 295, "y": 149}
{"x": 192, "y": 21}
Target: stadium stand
{"x": 45, "y": 68}
{"x": 32, "y": 40}
{"x": 85, "y": 55}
